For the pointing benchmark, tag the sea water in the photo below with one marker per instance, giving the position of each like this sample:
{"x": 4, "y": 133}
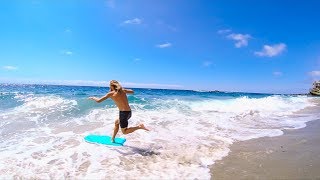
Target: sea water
{"x": 42, "y": 130}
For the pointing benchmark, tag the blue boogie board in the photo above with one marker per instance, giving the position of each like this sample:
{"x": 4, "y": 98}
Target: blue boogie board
{"x": 104, "y": 140}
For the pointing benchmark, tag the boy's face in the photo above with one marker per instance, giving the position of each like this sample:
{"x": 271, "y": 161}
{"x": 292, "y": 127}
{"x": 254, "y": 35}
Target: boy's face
{"x": 111, "y": 87}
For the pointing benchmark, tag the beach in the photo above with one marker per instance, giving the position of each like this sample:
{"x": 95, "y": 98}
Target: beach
{"x": 169, "y": 90}
{"x": 294, "y": 155}
{"x": 42, "y": 130}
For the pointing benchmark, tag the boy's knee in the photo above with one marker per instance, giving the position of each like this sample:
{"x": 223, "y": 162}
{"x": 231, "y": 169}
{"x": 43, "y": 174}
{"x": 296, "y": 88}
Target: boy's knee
{"x": 116, "y": 122}
{"x": 123, "y": 130}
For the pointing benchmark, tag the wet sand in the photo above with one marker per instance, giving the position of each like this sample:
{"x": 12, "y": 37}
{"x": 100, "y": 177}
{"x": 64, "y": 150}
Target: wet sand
{"x": 294, "y": 155}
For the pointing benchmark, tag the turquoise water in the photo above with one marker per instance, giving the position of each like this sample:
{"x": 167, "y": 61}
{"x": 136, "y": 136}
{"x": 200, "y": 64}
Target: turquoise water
{"x": 42, "y": 129}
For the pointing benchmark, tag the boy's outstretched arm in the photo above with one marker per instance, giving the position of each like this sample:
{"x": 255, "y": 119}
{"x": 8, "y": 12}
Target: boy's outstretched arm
{"x": 99, "y": 100}
{"x": 128, "y": 91}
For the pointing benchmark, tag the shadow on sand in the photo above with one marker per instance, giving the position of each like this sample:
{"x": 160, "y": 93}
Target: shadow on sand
{"x": 137, "y": 150}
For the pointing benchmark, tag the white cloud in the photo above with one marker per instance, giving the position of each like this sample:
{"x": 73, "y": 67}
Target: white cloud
{"x": 224, "y": 31}
{"x": 241, "y": 39}
{"x": 164, "y": 25}
{"x": 165, "y": 45}
{"x": 10, "y": 68}
{"x": 207, "y": 63}
{"x": 36, "y": 2}
{"x": 68, "y": 30}
{"x": 136, "y": 59}
{"x": 277, "y": 73}
{"x": 151, "y": 85}
{"x": 314, "y": 74}
{"x": 172, "y": 28}
{"x": 133, "y": 21}
{"x": 111, "y": 3}
{"x": 91, "y": 83}
{"x": 73, "y": 82}
{"x": 271, "y": 50}
{"x": 67, "y": 52}
{"x": 57, "y": 82}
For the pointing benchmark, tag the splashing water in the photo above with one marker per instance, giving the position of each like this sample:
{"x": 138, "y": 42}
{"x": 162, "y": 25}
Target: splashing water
{"x": 42, "y": 130}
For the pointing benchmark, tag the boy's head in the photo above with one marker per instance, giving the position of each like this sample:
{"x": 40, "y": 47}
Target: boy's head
{"x": 115, "y": 86}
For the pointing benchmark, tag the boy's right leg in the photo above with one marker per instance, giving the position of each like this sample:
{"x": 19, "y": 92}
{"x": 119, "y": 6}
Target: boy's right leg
{"x": 132, "y": 129}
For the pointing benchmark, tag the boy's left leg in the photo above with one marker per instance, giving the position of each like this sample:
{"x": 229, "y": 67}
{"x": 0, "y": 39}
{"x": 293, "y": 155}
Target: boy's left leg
{"x": 116, "y": 129}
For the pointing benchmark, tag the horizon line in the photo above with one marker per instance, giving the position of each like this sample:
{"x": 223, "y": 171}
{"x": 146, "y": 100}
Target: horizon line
{"x": 83, "y": 85}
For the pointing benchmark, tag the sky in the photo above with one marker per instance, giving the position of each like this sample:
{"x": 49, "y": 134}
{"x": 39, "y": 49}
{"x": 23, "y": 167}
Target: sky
{"x": 268, "y": 46}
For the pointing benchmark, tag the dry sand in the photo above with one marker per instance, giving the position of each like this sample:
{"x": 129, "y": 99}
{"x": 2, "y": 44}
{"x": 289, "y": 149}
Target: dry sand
{"x": 295, "y": 155}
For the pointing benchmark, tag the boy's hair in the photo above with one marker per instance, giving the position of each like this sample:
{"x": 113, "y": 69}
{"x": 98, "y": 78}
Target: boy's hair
{"x": 116, "y": 85}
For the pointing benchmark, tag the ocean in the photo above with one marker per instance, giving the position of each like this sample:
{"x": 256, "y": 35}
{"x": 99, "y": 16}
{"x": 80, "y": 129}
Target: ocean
{"x": 42, "y": 130}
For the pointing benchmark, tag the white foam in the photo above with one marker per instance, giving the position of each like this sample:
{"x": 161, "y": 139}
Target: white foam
{"x": 35, "y": 112}
{"x": 43, "y": 103}
{"x": 187, "y": 136}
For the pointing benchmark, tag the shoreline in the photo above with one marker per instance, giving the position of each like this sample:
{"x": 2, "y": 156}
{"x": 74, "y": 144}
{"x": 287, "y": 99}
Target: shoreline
{"x": 293, "y": 155}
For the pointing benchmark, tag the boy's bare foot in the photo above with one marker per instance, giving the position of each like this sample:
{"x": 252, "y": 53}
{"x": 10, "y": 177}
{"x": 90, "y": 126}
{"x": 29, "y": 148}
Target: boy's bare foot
{"x": 112, "y": 140}
{"x": 141, "y": 126}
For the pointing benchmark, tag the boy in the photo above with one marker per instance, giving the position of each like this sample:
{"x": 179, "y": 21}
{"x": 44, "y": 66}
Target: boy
{"x": 119, "y": 96}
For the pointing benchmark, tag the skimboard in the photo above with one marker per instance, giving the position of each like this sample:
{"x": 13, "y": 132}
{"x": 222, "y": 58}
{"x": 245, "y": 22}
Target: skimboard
{"x": 104, "y": 140}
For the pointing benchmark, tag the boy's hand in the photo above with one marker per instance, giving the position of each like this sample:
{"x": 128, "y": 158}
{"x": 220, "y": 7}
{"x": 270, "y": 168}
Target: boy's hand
{"x": 92, "y": 98}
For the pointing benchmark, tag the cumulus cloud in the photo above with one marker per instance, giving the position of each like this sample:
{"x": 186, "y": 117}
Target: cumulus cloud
{"x": 133, "y": 21}
{"x": 207, "y": 63}
{"x": 136, "y": 59}
{"x": 67, "y": 52}
{"x": 241, "y": 39}
{"x": 111, "y": 3}
{"x": 172, "y": 28}
{"x": 73, "y": 82}
{"x": 68, "y": 30}
{"x": 224, "y": 31}
{"x": 151, "y": 85}
{"x": 165, "y": 45}
{"x": 314, "y": 74}
{"x": 271, "y": 50}
{"x": 106, "y": 84}
{"x": 277, "y": 73}
{"x": 91, "y": 83}
{"x": 163, "y": 25}
{"x": 10, "y": 68}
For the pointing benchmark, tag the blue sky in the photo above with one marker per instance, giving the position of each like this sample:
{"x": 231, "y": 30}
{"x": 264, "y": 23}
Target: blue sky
{"x": 256, "y": 46}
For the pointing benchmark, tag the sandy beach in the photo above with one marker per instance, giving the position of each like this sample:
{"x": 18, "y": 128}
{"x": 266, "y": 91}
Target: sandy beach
{"x": 295, "y": 155}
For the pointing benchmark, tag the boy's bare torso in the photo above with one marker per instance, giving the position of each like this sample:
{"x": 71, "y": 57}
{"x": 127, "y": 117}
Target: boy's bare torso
{"x": 121, "y": 100}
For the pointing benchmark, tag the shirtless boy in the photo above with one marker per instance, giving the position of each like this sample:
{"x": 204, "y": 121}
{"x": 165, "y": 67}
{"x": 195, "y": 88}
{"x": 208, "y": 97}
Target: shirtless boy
{"x": 119, "y": 96}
